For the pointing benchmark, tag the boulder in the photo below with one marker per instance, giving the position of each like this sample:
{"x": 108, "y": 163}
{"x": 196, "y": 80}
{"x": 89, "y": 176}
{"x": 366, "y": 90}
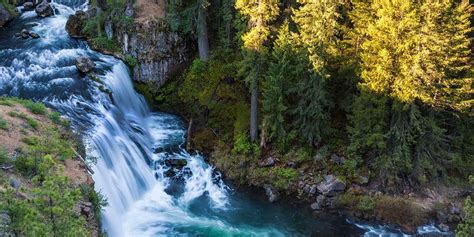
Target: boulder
{"x": 25, "y": 34}
{"x": 176, "y": 163}
{"x": 272, "y": 194}
{"x": 338, "y": 160}
{"x": 28, "y": 6}
{"x": 84, "y": 64}
{"x": 5, "y": 16}
{"x": 267, "y": 162}
{"x": 75, "y": 23}
{"x": 34, "y": 35}
{"x": 44, "y": 9}
{"x": 331, "y": 186}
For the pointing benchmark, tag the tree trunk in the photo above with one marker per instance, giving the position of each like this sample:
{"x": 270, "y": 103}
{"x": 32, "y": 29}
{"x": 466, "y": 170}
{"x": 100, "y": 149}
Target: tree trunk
{"x": 203, "y": 41}
{"x": 254, "y": 111}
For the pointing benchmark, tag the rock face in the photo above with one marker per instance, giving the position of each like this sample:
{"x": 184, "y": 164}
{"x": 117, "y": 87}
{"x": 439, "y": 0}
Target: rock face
{"x": 158, "y": 51}
{"x": 84, "y": 64}
{"x": 4, "y": 16}
{"x": 331, "y": 186}
{"x": 271, "y": 192}
{"x": 44, "y": 9}
{"x": 267, "y": 162}
{"x": 28, "y": 6}
{"x": 75, "y": 23}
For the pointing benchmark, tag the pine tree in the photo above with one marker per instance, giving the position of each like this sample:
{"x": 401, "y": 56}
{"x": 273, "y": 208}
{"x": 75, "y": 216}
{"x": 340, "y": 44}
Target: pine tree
{"x": 288, "y": 66}
{"x": 258, "y": 14}
{"x": 414, "y": 61}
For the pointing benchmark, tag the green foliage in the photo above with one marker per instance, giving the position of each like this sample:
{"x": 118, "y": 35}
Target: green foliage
{"x": 106, "y": 44}
{"x": 366, "y": 204}
{"x": 242, "y": 145}
{"x": 283, "y": 177}
{"x": 466, "y": 227}
{"x": 3, "y": 124}
{"x": 131, "y": 61}
{"x": 9, "y": 7}
{"x": 4, "y": 158}
{"x": 35, "y": 107}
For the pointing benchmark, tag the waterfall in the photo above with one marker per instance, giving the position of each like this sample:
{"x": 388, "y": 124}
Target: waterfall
{"x": 129, "y": 144}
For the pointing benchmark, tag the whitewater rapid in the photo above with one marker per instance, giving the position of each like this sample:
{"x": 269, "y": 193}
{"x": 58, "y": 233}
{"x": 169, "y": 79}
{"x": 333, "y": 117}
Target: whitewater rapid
{"x": 126, "y": 144}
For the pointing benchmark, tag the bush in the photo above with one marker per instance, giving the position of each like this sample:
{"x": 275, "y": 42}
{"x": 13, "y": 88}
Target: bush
{"x": 32, "y": 122}
{"x": 366, "y": 204}
{"x": 242, "y": 145}
{"x": 106, "y": 44}
{"x": 36, "y": 108}
{"x": 131, "y": 61}
{"x": 284, "y": 177}
{"x": 3, "y": 124}
{"x": 3, "y": 155}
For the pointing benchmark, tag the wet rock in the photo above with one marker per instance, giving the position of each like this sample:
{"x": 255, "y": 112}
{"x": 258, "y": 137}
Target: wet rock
{"x": 316, "y": 206}
{"x": 5, "y": 16}
{"x": 28, "y": 6}
{"x": 24, "y": 34}
{"x": 267, "y": 162}
{"x": 310, "y": 189}
{"x": 84, "y": 64}
{"x": 176, "y": 163}
{"x": 44, "y": 9}
{"x": 331, "y": 186}
{"x": 338, "y": 160}
{"x": 75, "y": 23}
{"x": 272, "y": 194}
{"x": 292, "y": 164}
{"x": 443, "y": 227}
{"x": 34, "y": 35}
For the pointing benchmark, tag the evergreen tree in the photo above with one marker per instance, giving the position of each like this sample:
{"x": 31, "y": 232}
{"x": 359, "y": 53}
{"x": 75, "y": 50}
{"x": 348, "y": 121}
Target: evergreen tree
{"x": 258, "y": 15}
{"x": 414, "y": 57}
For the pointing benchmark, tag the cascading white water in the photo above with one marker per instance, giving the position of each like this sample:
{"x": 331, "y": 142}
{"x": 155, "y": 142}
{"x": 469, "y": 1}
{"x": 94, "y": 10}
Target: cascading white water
{"x": 126, "y": 139}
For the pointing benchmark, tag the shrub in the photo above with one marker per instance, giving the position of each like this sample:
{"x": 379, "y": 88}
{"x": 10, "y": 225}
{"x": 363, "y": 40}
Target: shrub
{"x": 366, "y": 204}
{"x": 36, "y": 108}
{"x": 284, "y": 177}
{"x": 3, "y": 124}
{"x": 242, "y": 145}
{"x": 3, "y": 155}
{"x": 131, "y": 61}
{"x": 32, "y": 122}
{"x": 106, "y": 44}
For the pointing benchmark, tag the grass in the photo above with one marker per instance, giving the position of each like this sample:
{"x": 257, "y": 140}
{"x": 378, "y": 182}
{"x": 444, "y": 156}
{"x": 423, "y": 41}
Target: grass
{"x": 106, "y": 44}
{"x": 3, "y": 123}
{"x": 3, "y": 155}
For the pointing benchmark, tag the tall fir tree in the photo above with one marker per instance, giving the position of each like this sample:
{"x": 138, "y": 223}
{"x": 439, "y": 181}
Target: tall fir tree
{"x": 258, "y": 15}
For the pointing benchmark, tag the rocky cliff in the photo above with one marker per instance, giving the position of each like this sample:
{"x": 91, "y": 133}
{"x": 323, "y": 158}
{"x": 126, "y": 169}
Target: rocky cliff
{"x": 148, "y": 46}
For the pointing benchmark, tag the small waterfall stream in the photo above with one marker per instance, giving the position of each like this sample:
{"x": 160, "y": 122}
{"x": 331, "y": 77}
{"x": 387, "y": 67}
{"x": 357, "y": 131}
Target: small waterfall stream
{"x": 129, "y": 143}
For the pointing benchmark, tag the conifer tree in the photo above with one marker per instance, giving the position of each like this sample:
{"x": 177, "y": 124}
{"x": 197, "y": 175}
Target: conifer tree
{"x": 258, "y": 14}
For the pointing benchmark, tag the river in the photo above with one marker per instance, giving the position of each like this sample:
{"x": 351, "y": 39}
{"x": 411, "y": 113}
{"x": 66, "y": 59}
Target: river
{"x": 129, "y": 143}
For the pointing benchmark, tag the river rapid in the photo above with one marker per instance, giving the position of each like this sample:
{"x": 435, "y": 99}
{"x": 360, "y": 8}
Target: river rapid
{"x": 129, "y": 144}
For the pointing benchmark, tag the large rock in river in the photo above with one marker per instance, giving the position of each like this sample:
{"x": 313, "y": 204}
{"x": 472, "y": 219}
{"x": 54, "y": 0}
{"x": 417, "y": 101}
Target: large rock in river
{"x": 4, "y": 15}
{"x": 75, "y": 23}
{"x": 84, "y": 64}
{"x": 44, "y": 9}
